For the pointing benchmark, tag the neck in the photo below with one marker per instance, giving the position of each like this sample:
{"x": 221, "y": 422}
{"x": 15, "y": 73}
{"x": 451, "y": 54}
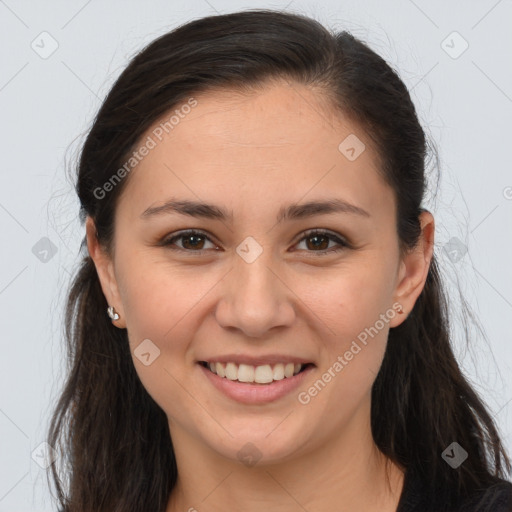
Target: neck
{"x": 345, "y": 473}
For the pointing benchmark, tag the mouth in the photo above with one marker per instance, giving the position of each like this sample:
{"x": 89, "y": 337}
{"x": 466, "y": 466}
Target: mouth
{"x": 250, "y": 374}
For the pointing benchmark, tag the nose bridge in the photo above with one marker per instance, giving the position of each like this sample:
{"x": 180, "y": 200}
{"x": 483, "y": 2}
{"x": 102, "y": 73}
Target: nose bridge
{"x": 254, "y": 299}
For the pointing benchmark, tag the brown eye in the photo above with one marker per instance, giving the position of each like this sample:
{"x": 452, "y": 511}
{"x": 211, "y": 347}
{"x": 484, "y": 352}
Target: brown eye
{"x": 318, "y": 241}
{"x": 192, "y": 241}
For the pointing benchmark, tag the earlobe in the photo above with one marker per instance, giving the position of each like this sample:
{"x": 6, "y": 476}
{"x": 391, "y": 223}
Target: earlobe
{"x": 414, "y": 268}
{"x": 105, "y": 269}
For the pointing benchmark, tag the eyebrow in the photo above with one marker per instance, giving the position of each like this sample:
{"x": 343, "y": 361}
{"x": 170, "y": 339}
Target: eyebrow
{"x": 293, "y": 211}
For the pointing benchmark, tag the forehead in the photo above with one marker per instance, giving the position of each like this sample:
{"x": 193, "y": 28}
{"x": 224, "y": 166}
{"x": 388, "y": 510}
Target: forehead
{"x": 269, "y": 115}
{"x": 280, "y": 139}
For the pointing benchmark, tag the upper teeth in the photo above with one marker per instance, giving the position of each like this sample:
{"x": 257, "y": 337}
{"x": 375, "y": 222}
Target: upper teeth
{"x": 261, "y": 374}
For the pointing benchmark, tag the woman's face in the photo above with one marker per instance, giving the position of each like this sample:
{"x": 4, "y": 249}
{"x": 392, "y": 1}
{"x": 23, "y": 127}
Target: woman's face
{"x": 253, "y": 287}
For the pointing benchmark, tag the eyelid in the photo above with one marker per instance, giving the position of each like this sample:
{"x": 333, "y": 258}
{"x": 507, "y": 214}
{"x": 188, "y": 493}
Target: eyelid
{"x": 342, "y": 242}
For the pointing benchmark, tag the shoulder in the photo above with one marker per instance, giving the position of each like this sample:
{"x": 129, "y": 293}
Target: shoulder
{"x": 496, "y": 498}
{"x": 416, "y": 498}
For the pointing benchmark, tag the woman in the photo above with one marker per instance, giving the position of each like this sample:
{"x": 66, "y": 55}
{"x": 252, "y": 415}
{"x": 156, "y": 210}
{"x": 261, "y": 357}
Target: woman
{"x": 258, "y": 320}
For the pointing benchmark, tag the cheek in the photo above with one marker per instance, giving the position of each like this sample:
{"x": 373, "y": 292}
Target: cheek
{"x": 352, "y": 311}
{"x": 353, "y": 350}
{"x": 348, "y": 299}
{"x": 158, "y": 305}
{"x": 157, "y": 297}
{"x": 166, "y": 306}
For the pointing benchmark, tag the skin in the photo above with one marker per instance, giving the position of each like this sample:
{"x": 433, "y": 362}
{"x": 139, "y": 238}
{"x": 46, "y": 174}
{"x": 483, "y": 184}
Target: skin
{"x": 252, "y": 154}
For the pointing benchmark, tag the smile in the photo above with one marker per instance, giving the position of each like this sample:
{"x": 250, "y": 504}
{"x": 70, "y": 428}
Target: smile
{"x": 261, "y": 374}
{"x": 256, "y": 384}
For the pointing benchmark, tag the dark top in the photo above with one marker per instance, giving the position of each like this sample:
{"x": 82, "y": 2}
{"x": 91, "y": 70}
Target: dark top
{"x": 415, "y": 498}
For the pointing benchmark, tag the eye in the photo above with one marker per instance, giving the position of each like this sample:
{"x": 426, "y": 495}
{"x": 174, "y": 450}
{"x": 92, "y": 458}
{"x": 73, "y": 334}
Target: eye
{"x": 194, "y": 241}
{"x": 320, "y": 240}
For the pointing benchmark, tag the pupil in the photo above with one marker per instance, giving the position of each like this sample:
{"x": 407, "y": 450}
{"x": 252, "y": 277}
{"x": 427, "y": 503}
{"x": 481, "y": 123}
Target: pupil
{"x": 188, "y": 238}
{"x": 317, "y": 237}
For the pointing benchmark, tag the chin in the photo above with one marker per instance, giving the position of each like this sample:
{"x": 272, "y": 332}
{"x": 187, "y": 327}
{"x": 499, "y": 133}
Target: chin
{"x": 260, "y": 445}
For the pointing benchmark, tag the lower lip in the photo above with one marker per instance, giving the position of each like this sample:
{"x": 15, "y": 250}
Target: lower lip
{"x": 249, "y": 393}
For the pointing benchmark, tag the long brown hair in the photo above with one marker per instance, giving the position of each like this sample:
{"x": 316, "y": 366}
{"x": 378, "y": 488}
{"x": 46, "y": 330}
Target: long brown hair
{"x": 114, "y": 439}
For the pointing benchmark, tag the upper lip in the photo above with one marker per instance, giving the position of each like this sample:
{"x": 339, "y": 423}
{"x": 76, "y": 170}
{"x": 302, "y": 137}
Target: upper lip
{"x": 256, "y": 361}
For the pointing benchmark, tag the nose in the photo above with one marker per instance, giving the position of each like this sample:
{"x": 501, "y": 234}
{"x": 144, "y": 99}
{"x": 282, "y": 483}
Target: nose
{"x": 255, "y": 298}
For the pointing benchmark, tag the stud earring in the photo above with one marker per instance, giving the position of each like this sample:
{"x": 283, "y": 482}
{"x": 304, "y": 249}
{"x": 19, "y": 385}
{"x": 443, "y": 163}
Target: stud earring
{"x": 112, "y": 313}
{"x": 400, "y": 311}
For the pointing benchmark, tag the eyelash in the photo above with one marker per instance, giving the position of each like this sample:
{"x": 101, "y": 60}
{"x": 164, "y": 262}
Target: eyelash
{"x": 308, "y": 234}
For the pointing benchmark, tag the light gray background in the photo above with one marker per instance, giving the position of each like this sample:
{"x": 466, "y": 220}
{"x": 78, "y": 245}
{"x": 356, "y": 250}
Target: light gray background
{"x": 47, "y": 104}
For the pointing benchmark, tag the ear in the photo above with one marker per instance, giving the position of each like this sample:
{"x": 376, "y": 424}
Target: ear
{"x": 414, "y": 269}
{"x": 105, "y": 269}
